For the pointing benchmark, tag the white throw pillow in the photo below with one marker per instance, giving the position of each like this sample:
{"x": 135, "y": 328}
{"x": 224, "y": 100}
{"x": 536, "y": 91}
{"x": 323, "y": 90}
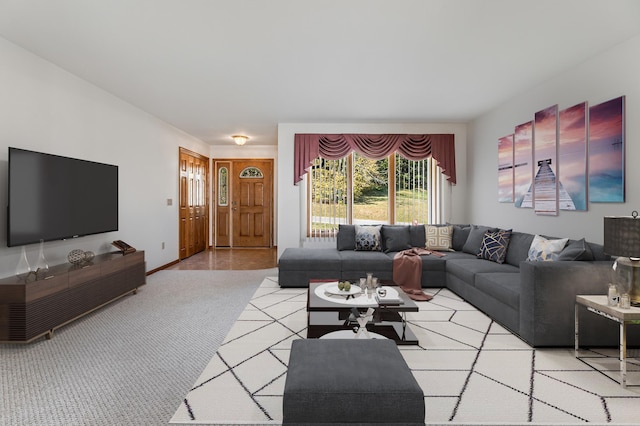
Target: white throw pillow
{"x": 543, "y": 249}
{"x": 438, "y": 237}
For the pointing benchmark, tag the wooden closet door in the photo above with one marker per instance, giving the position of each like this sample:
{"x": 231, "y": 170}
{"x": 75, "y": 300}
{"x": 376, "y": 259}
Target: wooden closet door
{"x": 194, "y": 203}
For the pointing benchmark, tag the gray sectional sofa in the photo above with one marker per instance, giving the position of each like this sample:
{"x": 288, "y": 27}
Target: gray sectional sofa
{"x": 533, "y": 299}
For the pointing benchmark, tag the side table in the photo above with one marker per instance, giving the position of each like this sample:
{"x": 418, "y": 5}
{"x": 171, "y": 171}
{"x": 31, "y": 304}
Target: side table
{"x": 598, "y": 305}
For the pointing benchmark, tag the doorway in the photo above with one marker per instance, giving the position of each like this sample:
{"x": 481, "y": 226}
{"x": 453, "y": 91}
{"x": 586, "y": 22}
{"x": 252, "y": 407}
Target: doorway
{"x": 194, "y": 203}
{"x": 243, "y": 194}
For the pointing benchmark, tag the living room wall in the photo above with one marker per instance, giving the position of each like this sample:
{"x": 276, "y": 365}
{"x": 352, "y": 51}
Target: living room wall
{"x": 44, "y": 108}
{"x": 291, "y": 198}
{"x": 611, "y": 74}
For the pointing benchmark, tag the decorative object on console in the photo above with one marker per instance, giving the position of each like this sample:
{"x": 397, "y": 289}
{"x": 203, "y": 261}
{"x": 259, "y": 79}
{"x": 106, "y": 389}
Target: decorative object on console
{"x": 23, "y": 269}
{"x": 89, "y": 256}
{"x": 41, "y": 267}
{"x": 622, "y": 239}
{"x": 75, "y": 256}
{"x": 123, "y": 247}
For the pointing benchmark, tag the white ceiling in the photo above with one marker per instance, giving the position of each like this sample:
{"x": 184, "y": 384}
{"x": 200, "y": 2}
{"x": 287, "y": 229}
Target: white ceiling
{"x": 214, "y": 68}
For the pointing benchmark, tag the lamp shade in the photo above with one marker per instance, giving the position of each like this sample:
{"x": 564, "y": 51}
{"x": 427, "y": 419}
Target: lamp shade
{"x": 622, "y": 236}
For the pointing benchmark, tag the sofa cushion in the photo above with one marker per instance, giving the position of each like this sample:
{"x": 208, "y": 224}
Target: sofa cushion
{"x": 518, "y": 250}
{"x": 598, "y": 252}
{"x": 543, "y": 249}
{"x": 368, "y": 238}
{"x": 503, "y": 286}
{"x": 317, "y": 259}
{"x": 395, "y": 238}
{"x": 494, "y": 245}
{"x": 576, "y": 250}
{"x": 365, "y": 261}
{"x": 417, "y": 235}
{"x": 474, "y": 240}
{"x": 346, "y": 239}
{"x": 460, "y": 235}
{"x": 466, "y": 269}
{"x": 438, "y": 237}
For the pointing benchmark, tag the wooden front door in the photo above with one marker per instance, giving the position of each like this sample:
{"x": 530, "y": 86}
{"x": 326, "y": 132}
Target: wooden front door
{"x": 194, "y": 203}
{"x": 244, "y": 209}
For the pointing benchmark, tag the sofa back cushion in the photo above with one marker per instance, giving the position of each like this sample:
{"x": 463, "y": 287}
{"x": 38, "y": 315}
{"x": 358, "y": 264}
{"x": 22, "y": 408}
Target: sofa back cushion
{"x": 518, "y": 250}
{"x": 460, "y": 235}
{"x": 417, "y": 235}
{"x": 474, "y": 240}
{"x": 395, "y": 238}
{"x": 346, "y": 239}
{"x": 576, "y": 250}
{"x": 597, "y": 250}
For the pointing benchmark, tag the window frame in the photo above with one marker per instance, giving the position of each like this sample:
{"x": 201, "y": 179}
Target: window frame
{"x": 435, "y": 182}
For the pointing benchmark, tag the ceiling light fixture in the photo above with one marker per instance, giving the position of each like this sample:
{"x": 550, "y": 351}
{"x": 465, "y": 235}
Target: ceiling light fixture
{"x": 240, "y": 139}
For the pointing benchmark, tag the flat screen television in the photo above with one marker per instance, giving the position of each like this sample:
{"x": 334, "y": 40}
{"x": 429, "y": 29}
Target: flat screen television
{"x": 54, "y": 198}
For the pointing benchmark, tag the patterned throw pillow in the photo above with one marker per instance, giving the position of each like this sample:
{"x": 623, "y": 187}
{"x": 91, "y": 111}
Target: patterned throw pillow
{"x": 494, "y": 245}
{"x": 368, "y": 238}
{"x": 438, "y": 237}
{"x": 542, "y": 249}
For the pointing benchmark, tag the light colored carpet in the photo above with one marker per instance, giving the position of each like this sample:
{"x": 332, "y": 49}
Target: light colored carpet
{"x": 471, "y": 370}
{"x": 131, "y": 362}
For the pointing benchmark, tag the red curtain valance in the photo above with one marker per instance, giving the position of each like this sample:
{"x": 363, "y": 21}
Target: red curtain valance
{"x": 308, "y": 147}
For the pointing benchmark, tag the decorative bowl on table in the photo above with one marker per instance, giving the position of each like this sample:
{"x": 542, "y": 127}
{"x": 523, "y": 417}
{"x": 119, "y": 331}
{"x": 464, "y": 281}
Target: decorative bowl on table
{"x": 336, "y": 290}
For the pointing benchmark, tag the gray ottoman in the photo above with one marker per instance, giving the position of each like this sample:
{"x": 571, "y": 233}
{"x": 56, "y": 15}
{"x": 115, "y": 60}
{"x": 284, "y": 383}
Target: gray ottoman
{"x": 350, "y": 381}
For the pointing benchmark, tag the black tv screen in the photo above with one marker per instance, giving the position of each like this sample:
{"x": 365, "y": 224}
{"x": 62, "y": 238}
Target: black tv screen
{"x": 54, "y": 198}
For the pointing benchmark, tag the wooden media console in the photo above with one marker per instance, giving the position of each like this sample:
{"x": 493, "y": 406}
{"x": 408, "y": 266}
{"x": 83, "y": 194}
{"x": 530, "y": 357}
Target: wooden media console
{"x": 31, "y": 308}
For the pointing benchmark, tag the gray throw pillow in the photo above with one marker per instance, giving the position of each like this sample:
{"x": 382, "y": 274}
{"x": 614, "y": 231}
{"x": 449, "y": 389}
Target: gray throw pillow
{"x": 368, "y": 238}
{"x": 460, "y": 235}
{"x": 346, "y": 239}
{"x": 576, "y": 250}
{"x": 474, "y": 240}
{"x": 395, "y": 238}
{"x": 417, "y": 235}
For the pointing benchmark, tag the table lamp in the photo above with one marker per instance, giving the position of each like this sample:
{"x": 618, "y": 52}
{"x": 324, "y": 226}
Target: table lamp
{"x": 622, "y": 239}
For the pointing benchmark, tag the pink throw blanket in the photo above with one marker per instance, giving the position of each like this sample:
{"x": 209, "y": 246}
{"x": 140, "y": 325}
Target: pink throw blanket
{"x": 407, "y": 271}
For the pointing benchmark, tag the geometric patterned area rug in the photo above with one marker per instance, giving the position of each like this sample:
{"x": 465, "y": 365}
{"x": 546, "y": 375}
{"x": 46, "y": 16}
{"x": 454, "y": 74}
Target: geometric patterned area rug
{"x": 471, "y": 369}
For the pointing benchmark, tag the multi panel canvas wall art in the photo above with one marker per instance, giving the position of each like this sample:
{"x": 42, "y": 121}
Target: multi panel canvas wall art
{"x": 505, "y": 169}
{"x": 572, "y": 157}
{"x": 545, "y": 142}
{"x": 606, "y": 152}
{"x": 523, "y": 170}
{"x": 562, "y": 160}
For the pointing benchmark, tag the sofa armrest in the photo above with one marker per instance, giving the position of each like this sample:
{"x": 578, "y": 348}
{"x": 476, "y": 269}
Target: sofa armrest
{"x": 547, "y": 299}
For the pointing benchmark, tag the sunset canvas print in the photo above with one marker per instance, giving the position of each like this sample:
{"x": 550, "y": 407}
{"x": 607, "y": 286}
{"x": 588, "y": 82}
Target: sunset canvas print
{"x": 572, "y": 156}
{"x": 522, "y": 167}
{"x": 505, "y": 169}
{"x": 545, "y": 142}
{"x": 606, "y": 152}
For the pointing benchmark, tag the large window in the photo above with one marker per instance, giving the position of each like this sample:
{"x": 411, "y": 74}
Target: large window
{"x": 358, "y": 190}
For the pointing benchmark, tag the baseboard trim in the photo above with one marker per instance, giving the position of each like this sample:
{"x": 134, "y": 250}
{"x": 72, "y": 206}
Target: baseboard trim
{"x": 165, "y": 266}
